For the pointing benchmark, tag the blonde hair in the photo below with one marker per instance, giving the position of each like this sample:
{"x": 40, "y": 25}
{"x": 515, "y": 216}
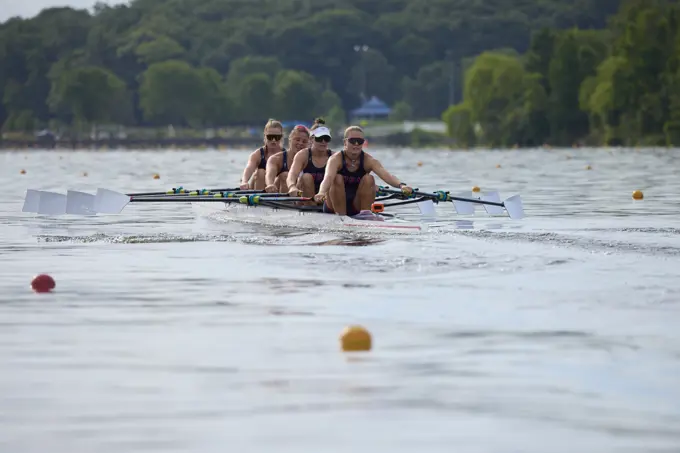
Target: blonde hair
{"x": 353, "y": 128}
{"x": 273, "y": 123}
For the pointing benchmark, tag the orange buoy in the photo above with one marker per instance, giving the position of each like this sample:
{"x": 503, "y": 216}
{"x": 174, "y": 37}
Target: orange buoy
{"x": 637, "y": 195}
{"x": 42, "y": 283}
{"x": 23, "y": 172}
{"x": 476, "y": 189}
{"x": 156, "y": 176}
{"x": 355, "y": 338}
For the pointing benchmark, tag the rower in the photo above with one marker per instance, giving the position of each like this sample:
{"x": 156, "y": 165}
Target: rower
{"x": 348, "y": 188}
{"x": 278, "y": 165}
{"x": 310, "y": 164}
{"x": 254, "y": 173}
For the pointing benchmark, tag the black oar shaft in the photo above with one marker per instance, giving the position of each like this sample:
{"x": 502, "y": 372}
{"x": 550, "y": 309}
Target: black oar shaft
{"x": 436, "y": 197}
{"x": 186, "y": 192}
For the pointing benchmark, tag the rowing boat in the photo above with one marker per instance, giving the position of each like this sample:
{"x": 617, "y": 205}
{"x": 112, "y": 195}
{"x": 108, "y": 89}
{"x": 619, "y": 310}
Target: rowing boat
{"x": 305, "y": 219}
{"x": 248, "y": 206}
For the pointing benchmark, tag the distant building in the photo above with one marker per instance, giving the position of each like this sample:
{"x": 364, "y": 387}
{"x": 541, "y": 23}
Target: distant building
{"x": 371, "y": 109}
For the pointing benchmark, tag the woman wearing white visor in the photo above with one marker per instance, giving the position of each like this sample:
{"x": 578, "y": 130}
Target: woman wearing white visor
{"x": 309, "y": 165}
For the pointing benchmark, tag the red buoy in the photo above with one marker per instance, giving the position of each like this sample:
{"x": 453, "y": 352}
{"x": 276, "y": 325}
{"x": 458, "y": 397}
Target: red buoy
{"x": 42, "y": 283}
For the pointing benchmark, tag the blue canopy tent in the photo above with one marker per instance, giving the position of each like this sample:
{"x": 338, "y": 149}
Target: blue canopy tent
{"x": 373, "y": 108}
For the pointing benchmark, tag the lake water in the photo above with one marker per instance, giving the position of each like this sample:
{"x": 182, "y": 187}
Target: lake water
{"x": 172, "y": 332}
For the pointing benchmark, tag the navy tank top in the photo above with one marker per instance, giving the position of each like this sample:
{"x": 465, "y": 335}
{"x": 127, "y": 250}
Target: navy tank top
{"x": 316, "y": 172}
{"x": 263, "y": 160}
{"x": 352, "y": 178}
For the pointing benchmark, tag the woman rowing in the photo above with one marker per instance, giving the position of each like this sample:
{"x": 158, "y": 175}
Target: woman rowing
{"x": 348, "y": 188}
{"x": 257, "y": 162}
{"x": 309, "y": 165}
{"x": 278, "y": 165}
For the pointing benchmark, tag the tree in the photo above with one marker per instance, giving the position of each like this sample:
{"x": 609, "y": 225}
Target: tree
{"x": 90, "y": 95}
{"x": 296, "y": 94}
{"x": 173, "y": 92}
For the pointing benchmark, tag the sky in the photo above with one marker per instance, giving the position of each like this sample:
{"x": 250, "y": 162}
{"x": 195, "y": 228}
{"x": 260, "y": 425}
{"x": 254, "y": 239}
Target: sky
{"x": 30, "y": 8}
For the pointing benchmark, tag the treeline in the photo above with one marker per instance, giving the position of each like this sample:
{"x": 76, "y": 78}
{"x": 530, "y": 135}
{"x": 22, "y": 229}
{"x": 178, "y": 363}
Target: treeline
{"x": 217, "y": 62}
{"x": 618, "y": 86}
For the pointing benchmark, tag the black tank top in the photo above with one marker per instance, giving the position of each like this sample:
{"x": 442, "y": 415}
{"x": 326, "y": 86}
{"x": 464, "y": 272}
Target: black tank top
{"x": 352, "y": 178}
{"x": 263, "y": 161}
{"x": 284, "y": 166}
{"x": 316, "y": 172}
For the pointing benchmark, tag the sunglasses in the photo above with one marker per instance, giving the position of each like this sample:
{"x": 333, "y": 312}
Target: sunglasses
{"x": 274, "y": 137}
{"x": 323, "y": 138}
{"x": 356, "y": 141}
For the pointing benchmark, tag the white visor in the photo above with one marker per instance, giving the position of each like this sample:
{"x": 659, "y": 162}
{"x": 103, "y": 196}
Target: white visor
{"x": 320, "y": 132}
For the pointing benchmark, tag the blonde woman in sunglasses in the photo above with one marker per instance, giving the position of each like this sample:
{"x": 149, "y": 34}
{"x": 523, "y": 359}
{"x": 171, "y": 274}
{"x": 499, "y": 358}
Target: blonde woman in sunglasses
{"x": 348, "y": 187}
{"x": 255, "y": 171}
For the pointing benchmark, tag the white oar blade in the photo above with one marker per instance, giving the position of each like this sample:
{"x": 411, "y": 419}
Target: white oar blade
{"x": 52, "y": 203}
{"x": 80, "y": 203}
{"x": 514, "y": 207}
{"x": 495, "y": 198}
{"x": 427, "y": 209}
{"x": 31, "y": 201}
{"x": 110, "y": 202}
{"x": 463, "y": 207}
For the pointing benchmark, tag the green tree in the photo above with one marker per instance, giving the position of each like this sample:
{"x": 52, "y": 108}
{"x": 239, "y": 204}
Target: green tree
{"x": 173, "y": 92}
{"x": 90, "y": 95}
{"x": 255, "y": 99}
{"x": 296, "y": 95}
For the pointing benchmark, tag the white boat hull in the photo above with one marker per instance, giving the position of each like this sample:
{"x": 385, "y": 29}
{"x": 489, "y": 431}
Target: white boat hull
{"x": 263, "y": 215}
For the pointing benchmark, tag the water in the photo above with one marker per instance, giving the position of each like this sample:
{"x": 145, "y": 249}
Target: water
{"x": 169, "y": 332}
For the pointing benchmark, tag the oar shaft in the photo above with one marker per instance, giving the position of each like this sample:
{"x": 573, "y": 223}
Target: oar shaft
{"x": 441, "y": 196}
{"x": 474, "y": 200}
{"x": 217, "y": 196}
{"x": 244, "y": 199}
{"x": 185, "y": 192}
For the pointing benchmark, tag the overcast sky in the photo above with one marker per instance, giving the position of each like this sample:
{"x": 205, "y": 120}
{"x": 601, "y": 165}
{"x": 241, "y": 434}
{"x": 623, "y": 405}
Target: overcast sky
{"x": 29, "y": 8}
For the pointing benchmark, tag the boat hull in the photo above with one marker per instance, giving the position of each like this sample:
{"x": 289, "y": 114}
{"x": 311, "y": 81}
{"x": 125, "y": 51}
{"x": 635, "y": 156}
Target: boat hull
{"x": 263, "y": 215}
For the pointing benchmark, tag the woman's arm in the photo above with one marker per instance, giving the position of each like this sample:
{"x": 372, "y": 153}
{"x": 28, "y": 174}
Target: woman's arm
{"x": 374, "y": 165}
{"x": 250, "y": 168}
{"x": 331, "y": 171}
{"x": 295, "y": 169}
{"x": 274, "y": 165}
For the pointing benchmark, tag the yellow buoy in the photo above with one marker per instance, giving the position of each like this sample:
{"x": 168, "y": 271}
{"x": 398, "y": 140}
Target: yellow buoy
{"x": 355, "y": 338}
{"x": 420, "y": 164}
{"x": 476, "y": 189}
{"x": 156, "y": 176}
{"x": 588, "y": 167}
{"x": 23, "y": 172}
{"x": 637, "y": 195}
{"x": 498, "y": 165}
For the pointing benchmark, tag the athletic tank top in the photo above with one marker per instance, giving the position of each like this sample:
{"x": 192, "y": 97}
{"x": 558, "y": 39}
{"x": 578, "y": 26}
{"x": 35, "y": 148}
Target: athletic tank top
{"x": 263, "y": 160}
{"x": 352, "y": 178}
{"x": 284, "y": 166}
{"x": 316, "y": 172}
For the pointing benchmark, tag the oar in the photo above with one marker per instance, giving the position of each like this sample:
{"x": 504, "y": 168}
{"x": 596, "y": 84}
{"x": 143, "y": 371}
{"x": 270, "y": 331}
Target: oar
{"x": 107, "y": 201}
{"x": 464, "y": 205}
{"x": 182, "y": 190}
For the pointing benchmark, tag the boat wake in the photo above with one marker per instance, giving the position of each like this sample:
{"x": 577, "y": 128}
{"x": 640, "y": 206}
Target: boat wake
{"x": 591, "y": 244}
{"x": 279, "y": 240}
